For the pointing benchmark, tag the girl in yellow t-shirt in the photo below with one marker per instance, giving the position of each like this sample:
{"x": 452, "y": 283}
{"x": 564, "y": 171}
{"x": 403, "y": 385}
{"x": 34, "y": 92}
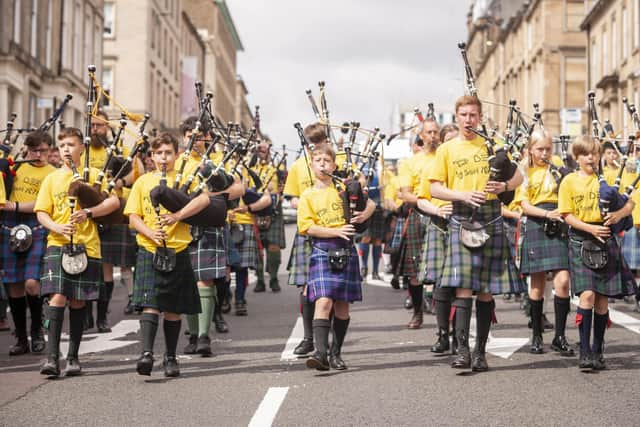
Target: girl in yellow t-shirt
{"x": 544, "y": 246}
{"x": 334, "y": 280}
{"x": 590, "y": 235}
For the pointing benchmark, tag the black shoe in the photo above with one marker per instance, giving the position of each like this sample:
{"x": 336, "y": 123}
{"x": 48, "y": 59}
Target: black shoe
{"x": 274, "y": 285}
{"x": 171, "y": 368}
{"x": 363, "y": 273}
{"x": 20, "y": 347}
{"x": 38, "y": 344}
{"x": 129, "y": 308}
{"x": 599, "y": 363}
{"x": 536, "y": 345}
{"x": 225, "y": 305}
{"x": 517, "y": 298}
{"x": 506, "y": 297}
{"x": 442, "y": 344}
{"x": 318, "y": 361}
{"x": 586, "y": 361}
{"x": 375, "y": 276}
{"x": 260, "y": 287}
{"x": 221, "y": 324}
{"x": 479, "y": 362}
{"x": 395, "y": 283}
{"x": 73, "y": 368}
{"x": 204, "y": 346}
{"x": 408, "y": 303}
{"x": 144, "y": 365}
{"x": 454, "y": 344}
{"x": 546, "y": 324}
{"x": 241, "y": 308}
{"x": 103, "y": 327}
{"x": 51, "y": 367}
{"x": 305, "y": 347}
{"x": 561, "y": 345}
{"x": 405, "y": 282}
{"x": 336, "y": 362}
{"x": 191, "y": 347}
{"x": 463, "y": 358}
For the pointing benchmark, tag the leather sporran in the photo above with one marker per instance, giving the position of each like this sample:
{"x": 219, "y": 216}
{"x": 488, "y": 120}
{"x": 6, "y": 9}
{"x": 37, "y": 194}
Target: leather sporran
{"x": 20, "y": 238}
{"x": 164, "y": 260}
{"x": 237, "y": 233}
{"x": 74, "y": 258}
{"x": 263, "y": 222}
{"x": 594, "y": 254}
{"x": 551, "y": 228}
{"x": 338, "y": 259}
{"x": 473, "y": 234}
{"x": 197, "y": 232}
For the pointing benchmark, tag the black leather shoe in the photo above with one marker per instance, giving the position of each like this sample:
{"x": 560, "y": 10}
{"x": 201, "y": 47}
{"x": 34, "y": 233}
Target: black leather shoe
{"x": 204, "y": 346}
{"x": 363, "y": 273}
{"x": 260, "y": 287}
{"x": 220, "y": 323}
{"x": 599, "y": 363}
{"x": 73, "y": 368}
{"x": 536, "y": 345}
{"x": 463, "y": 358}
{"x": 305, "y": 347}
{"x": 561, "y": 345}
{"x": 395, "y": 283}
{"x": 241, "y": 308}
{"x": 103, "y": 327}
{"x": 479, "y": 362}
{"x": 274, "y": 285}
{"x": 454, "y": 344}
{"x": 144, "y": 365}
{"x": 586, "y": 361}
{"x": 20, "y": 347}
{"x": 225, "y": 306}
{"x": 191, "y": 347}
{"x": 318, "y": 361}
{"x": 51, "y": 367}
{"x": 408, "y": 303}
{"x": 171, "y": 368}
{"x": 336, "y": 362}
{"x": 128, "y": 308}
{"x": 442, "y": 344}
{"x": 38, "y": 344}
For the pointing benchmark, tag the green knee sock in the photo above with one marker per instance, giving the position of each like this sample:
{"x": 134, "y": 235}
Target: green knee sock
{"x": 273, "y": 263}
{"x": 192, "y": 324}
{"x": 207, "y": 301}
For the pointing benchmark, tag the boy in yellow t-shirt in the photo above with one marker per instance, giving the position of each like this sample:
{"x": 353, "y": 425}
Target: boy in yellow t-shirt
{"x": 53, "y": 209}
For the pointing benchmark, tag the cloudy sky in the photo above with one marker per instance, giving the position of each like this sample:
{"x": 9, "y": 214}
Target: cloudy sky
{"x": 373, "y": 54}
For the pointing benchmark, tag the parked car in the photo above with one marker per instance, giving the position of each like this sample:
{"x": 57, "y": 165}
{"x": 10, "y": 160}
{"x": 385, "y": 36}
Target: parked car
{"x": 289, "y": 214}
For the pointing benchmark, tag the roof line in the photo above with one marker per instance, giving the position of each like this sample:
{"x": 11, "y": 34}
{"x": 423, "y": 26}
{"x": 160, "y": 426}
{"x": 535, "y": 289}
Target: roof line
{"x": 222, "y": 4}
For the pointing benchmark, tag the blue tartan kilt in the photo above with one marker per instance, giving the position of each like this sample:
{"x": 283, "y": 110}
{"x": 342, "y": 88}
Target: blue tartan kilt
{"x": 118, "y": 245}
{"x": 18, "y": 267}
{"x": 614, "y": 280}
{"x": 233, "y": 255}
{"x": 488, "y": 269}
{"x": 396, "y": 238}
{"x": 541, "y": 253}
{"x": 298, "y": 265}
{"x": 83, "y": 287}
{"x": 631, "y": 248}
{"x": 324, "y": 283}
{"x": 208, "y": 255}
{"x": 434, "y": 250}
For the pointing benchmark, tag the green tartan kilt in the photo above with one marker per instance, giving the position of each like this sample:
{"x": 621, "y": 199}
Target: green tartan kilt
{"x": 82, "y": 287}
{"x": 539, "y": 252}
{"x": 118, "y": 245}
{"x": 411, "y": 246}
{"x": 488, "y": 269}
{"x": 434, "y": 250}
{"x": 274, "y": 235}
{"x": 298, "y": 265}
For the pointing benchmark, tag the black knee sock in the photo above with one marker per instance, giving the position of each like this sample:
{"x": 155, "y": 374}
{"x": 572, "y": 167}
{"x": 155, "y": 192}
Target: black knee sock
{"x": 171, "y": 335}
{"x": 463, "y": 319}
{"x": 484, "y": 309}
{"x": 417, "y": 295}
{"x": 55, "y": 320}
{"x": 599, "y": 327}
{"x": 307, "y": 316}
{"x": 443, "y": 299}
{"x": 35, "y": 307}
{"x": 583, "y": 319}
{"x": 148, "y": 329}
{"x": 561, "y": 306}
{"x": 536, "y": 316}
{"x": 19, "y": 313}
{"x": 321, "y": 329}
{"x": 76, "y": 326}
{"x": 340, "y": 327}
{"x": 242, "y": 278}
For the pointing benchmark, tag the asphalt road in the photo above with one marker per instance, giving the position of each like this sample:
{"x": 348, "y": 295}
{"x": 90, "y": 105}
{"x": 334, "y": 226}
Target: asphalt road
{"x": 392, "y": 378}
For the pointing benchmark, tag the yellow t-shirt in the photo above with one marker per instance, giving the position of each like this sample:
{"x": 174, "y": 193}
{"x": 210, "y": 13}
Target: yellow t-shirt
{"x": 299, "y": 178}
{"x": 320, "y": 207}
{"x": 53, "y": 199}
{"x": 579, "y": 195}
{"x": 627, "y": 180}
{"x": 462, "y": 165}
{"x": 27, "y": 182}
{"x": 139, "y": 203}
{"x": 98, "y": 157}
{"x": 3, "y": 197}
{"x": 412, "y": 170}
{"x": 424, "y": 188}
{"x": 265, "y": 172}
{"x": 539, "y": 185}
{"x": 610, "y": 174}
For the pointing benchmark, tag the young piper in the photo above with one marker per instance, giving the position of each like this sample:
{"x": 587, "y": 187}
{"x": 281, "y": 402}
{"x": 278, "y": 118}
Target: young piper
{"x": 53, "y": 209}
{"x": 544, "y": 247}
{"x": 171, "y": 291}
{"x": 594, "y": 283}
{"x": 334, "y": 280}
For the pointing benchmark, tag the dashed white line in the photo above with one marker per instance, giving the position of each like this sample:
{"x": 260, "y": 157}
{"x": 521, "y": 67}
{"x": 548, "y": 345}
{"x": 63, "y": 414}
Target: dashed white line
{"x": 296, "y": 336}
{"x": 268, "y": 409}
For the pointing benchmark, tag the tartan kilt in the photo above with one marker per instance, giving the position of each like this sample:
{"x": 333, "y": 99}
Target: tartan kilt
{"x": 298, "y": 266}
{"x": 614, "y": 280}
{"x": 434, "y": 250}
{"x": 18, "y": 267}
{"x": 396, "y": 237}
{"x": 631, "y": 248}
{"x": 409, "y": 264}
{"x": 539, "y": 252}
{"x": 377, "y": 225}
{"x": 233, "y": 256}
{"x": 83, "y": 287}
{"x": 324, "y": 283}
{"x": 489, "y": 269}
{"x": 208, "y": 255}
{"x": 173, "y": 292}
{"x": 248, "y": 248}
{"x": 275, "y": 233}
{"x": 118, "y": 245}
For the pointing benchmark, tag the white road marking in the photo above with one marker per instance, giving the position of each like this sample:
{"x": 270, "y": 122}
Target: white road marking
{"x": 619, "y": 318}
{"x": 296, "y": 336}
{"x": 268, "y": 409}
{"x": 501, "y": 347}
{"x": 105, "y": 342}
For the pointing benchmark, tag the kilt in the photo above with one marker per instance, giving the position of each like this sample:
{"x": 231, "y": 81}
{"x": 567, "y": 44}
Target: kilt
{"x": 614, "y": 280}
{"x": 18, "y": 267}
{"x": 118, "y": 245}
{"x": 539, "y": 252}
{"x": 396, "y": 237}
{"x": 434, "y": 250}
{"x": 377, "y": 226}
{"x": 208, "y": 255}
{"x": 248, "y": 248}
{"x": 233, "y": 256}
{"x": 510, "y": 227}
{"x": 275, "y": 233}
{"x": 324, "y": 283}
{"x": 409, "y": 264}
{"x": 83, "y": 287}
{"x": 489, "y": 269}
{"x": 173, "y": 292}
{"x": 631, "y": 248}
{"x": 298, "y": 265}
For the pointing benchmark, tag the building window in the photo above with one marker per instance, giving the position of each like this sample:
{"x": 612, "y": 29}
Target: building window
{"x": 594, "y": 63}
{"x": 109, "y": 20}
{"x": 49, "y": 34}
{"x": 574, "y": 82}
{"x": 34, "y": 28}
{"x": 107, "y": 82}
{"x": 625, "y": 32}
{"x": 605, "y": 53}
{"x": 17, "y": 16}
{"x": 614, "y": 44}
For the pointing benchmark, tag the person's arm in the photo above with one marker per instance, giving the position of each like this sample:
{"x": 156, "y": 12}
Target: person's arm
{"x": 360, "y": 217}
{"x": 263, "y": 202}
{"x": 195, "y": 206}
{"x": 344, "y": 232}
{"x": 497, "y": 187}
{"x": 508, "y": 213}
{"x": 600, "y": 232}
{"x": 473, "y": 198}
{"x": 615, "y": 217}
{"x": 104, "y": 208}
{"x": 47, "y": 222}
{"x": 429, "y": 208}
{"x": 25, "y": 207}
{"x": 156, "y": 235}
{"x": 529, "y": 210}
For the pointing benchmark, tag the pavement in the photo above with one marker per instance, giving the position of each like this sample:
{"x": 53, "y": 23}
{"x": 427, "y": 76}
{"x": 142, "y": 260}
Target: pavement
{"x": 393, "y": 378}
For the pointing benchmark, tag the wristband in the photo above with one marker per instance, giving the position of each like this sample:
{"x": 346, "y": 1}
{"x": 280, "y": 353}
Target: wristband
{"x": 249, "y": 209}
{"x": 89, "y": 213}
{"x": 506, "y": 186}
{"x": 17, "y": 206}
